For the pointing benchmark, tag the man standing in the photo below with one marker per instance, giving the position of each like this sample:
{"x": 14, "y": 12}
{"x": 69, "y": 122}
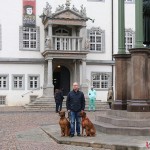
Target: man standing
{"x": 92, "y": 98}
{"x": 75, "y": 104}
{"x": 110, "y": 97}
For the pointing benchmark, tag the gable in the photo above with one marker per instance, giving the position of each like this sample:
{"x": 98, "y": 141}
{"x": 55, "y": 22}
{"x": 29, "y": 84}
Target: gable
{"x": 68, "y": 15}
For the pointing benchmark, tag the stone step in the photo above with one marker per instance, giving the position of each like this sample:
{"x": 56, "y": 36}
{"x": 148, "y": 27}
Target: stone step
{"x": 122, "y": 122}
{"x": 131, "y": 131}
{"x": 128, "y": 115}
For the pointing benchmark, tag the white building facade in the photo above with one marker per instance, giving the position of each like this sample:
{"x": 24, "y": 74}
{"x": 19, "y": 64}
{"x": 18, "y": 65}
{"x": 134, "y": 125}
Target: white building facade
{"x": 72, "y": 41}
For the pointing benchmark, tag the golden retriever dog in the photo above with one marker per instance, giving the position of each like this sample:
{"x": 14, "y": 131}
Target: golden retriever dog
{"x": 87, "y": 125}
{"x": 64, "y": 124}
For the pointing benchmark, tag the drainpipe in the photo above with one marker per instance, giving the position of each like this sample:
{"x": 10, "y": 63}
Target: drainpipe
{"x": 112, "y": 34}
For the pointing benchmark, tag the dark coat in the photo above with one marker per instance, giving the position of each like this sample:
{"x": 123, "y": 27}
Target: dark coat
{"x": 75, "y": 101}
{"x": 58, "y": 97}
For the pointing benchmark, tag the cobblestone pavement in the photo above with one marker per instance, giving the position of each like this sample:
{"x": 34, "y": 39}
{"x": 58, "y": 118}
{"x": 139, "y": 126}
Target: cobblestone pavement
{"x": 16, "y": 120}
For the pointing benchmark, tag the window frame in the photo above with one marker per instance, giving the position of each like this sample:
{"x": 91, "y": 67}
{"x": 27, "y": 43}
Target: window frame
{"x": 21, "y": 38}
{"x": 23, "y": 81}
{"x": 96, "y": 0}
{"x": 7, "y": 81}
{"x": 38, "y": 81}
{"x": 129, "y": 2}
{"x": 100, "y": 81}
{"x": 102, "y": 43}
{"x": 3, "y": 100}
{"x": 133, "y": 39}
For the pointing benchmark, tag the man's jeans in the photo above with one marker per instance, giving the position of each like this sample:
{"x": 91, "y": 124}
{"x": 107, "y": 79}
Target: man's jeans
{"x": 75, "y": 117}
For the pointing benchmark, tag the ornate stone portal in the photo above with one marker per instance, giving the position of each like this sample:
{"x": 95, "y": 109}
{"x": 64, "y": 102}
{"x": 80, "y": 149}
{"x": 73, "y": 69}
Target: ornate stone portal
{"x": 65, "y": 32}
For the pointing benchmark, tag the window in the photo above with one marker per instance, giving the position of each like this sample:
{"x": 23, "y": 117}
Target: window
{"x": 0, "y": 38}
{"x": 18, "y": 82}
{"x": 129, "y": 1}
{"x": 4, "y": 82}
{"x": 33, "y": 81}
{"x": 129, "y": 39}
{"x": 101, "y": 80}
{"x": 29, "y": 38}
{"x": 96, "y": 38}
{"x": 96, "y": 0}
{"x": 2, "y": 100}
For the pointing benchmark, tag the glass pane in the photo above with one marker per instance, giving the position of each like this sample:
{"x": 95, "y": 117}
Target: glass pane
{"x": 25, "y": 44}
{"x": 33, "y": 44}
{"x": 92, "y": 46}
{"x": 98, "y": 39}
{"x": 96, "y": 84}
{"x": 98, "y": 47}
{"x": 33, "y": 36}
{"x": 92, "y": 38}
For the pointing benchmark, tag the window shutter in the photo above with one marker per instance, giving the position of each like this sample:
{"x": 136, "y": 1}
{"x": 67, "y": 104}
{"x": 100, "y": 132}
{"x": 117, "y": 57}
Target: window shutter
{"x": 103, "y": 41}
{"x": 38, "y": 37}
{"x": 20, "y": 37}
{"x": 88, "y": 34}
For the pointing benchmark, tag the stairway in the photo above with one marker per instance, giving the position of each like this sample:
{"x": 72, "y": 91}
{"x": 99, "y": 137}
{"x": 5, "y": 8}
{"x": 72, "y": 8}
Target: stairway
{"x": 45, "y": 103}
{"x": 123, "y": 123}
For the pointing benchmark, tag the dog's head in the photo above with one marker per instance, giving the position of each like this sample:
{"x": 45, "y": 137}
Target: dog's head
{"x": 83, "y": 114}
{"x": 62, "y": 114}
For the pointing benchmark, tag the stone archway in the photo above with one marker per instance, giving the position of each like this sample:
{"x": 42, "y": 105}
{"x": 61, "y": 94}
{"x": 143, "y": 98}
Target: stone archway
{"x": 61, "y": 79}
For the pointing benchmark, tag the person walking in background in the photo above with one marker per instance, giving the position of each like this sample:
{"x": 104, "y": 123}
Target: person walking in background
{"x": 92, "y": 98}
{"x": 58, "y": 100}
{"x": 110, "y": 97}
{"x": 75, "y": 103}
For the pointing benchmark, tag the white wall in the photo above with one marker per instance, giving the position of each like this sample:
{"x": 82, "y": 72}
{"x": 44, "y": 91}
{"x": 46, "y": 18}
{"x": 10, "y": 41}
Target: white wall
{"x": 11, "y": 19}
{"x": 14, "y": 97}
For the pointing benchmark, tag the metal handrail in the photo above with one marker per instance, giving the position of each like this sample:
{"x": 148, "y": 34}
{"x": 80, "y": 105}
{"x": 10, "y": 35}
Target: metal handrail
{"x": 31, "y": 91}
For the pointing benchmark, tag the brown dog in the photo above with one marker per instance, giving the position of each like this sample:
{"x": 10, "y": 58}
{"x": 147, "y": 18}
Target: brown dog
{"x": 87, "y": 125}
{"x": 64, "y": 124}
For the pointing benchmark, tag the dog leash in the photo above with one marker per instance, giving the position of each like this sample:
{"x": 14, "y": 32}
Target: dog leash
{"x": 68, "y": 116}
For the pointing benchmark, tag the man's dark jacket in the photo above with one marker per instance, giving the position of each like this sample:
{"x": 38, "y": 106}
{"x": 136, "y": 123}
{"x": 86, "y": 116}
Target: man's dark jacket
{"x": 75, "y": 101}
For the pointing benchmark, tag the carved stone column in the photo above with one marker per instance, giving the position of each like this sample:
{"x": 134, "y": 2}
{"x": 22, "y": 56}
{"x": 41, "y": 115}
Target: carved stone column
{"x": 49, "y": 90}
{"x": 84, "y": 85}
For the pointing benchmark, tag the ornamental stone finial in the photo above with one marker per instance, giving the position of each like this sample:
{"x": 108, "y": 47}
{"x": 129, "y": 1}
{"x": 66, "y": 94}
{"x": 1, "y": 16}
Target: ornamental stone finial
{"x": 68, "y": 4}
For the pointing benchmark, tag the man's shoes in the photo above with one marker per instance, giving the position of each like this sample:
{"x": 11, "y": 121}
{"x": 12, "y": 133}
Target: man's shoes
{"x": 71, "y": 135}
{"x": 78, "y": 134}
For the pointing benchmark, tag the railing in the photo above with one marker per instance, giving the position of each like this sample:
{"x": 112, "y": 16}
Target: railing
{"x": 39, "y": 88}
{"x": 68, "y": 43}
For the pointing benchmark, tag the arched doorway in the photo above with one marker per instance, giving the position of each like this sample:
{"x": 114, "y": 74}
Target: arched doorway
{"x": 61, "y": 79}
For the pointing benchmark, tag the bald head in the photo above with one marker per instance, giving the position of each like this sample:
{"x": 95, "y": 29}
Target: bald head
{"x": 75, "y": 86}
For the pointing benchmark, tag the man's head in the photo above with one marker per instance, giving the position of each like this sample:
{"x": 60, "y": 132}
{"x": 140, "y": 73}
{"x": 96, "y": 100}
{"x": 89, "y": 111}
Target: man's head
{"x": 91, "y": 87}
{"x": 28, "y": 10}
{"x": 75, "y": 86}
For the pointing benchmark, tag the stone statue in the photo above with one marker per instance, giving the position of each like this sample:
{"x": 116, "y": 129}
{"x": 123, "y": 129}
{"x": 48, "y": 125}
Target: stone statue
{"x": 47, "y": 42}
{"x": 83, "y": 11}
{"x": 48, "y": 10}
{"x": 67, "y": 4}
{"x": 75, "y": 9}
{"x": 60, "y": 8}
